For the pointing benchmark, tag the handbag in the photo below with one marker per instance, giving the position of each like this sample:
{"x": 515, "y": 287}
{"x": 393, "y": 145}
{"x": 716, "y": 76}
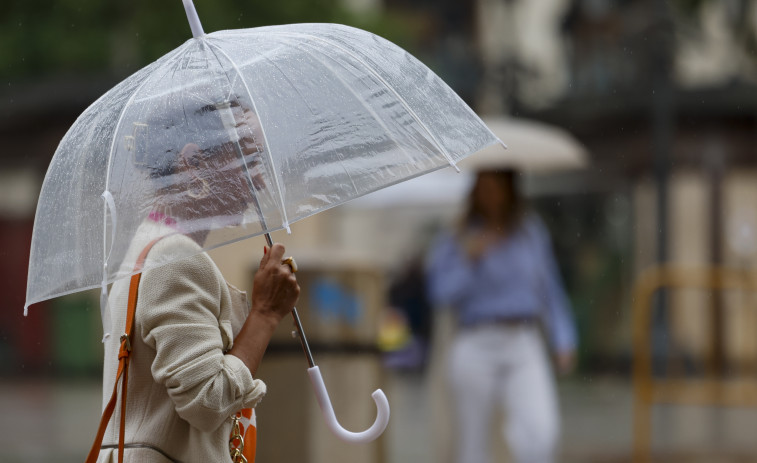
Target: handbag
{"x": 243, "y": 436}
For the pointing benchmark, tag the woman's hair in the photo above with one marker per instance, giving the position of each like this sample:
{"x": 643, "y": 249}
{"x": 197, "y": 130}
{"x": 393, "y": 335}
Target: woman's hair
{"x": 158, "y": 138}
{"x": 514, "y": 207}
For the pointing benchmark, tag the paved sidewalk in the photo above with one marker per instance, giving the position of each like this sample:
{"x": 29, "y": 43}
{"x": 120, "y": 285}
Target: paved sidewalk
{"x": 46, "y": 421}
{"x": 597, "y": 427}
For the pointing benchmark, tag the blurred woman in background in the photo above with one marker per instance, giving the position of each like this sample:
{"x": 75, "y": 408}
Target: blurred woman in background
{"x": 498, "y": 273}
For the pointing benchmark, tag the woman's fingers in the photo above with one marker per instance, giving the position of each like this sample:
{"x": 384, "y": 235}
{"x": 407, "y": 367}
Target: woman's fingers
{"x": 275, "y": 285}
{"x": 263, "y": 259}
{"x": 275, "y": 254}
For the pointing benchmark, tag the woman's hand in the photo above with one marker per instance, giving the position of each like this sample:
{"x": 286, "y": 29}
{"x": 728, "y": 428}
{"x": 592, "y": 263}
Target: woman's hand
{"x": 274, "y": 289}
{"x": 478, "y": 242}
{"x": 274, "y": 293}
{"x": 566, "y": 362}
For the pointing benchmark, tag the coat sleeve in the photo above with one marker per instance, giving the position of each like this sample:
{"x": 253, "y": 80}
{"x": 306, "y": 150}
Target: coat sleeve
{"x": 178, "y": 312}
{"x": 561, "y": 324}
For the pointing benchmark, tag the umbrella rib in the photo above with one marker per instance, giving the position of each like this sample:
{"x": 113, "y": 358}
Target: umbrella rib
{"x": 367, "y": 107}
{"x": 386, "y": 84}
{"x": 262, "y": 129}
{"x": 126, "y": 105}
{"x": 341, "y": 158}
{"x": 106, "y": 254}
{"x": 169, "y": 58}
{"x": 344, "y": 84}
{"x": 231, "y": 86}
{"x": 123, "y": 112}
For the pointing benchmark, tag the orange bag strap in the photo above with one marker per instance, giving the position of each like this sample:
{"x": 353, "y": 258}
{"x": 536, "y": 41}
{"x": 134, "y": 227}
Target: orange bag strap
{"x": 124, "y": 353}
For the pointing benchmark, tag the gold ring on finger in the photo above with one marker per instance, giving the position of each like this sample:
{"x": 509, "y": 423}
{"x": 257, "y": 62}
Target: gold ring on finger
{"x": 291, "y": 263}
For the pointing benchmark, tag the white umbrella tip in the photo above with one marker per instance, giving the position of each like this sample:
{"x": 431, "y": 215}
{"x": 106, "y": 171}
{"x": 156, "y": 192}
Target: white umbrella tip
{"x": 194, "y": 20}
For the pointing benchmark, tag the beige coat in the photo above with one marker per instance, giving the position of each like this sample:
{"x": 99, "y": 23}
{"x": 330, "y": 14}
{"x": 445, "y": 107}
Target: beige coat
{"x": 183, "y": 386}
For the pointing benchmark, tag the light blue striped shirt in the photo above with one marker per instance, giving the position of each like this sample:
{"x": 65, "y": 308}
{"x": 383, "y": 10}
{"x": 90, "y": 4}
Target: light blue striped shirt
{"x": 515, "y": 278}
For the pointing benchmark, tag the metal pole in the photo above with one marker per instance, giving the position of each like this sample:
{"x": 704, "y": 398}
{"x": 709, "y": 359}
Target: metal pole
{"x": 715, "y": 164}
{"x": 295, "y": 315}
{"x": 663, "y": 120}
{"x": 227, "y": 117}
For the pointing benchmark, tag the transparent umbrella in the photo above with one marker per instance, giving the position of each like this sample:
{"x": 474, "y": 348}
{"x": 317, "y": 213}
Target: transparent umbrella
{"x": 294, "y": 119}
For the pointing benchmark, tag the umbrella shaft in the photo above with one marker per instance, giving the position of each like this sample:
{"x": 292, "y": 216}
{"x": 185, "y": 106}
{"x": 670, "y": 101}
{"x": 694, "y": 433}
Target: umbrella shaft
{"x": 297, "y": 322}
{"x": 303, "y": 339}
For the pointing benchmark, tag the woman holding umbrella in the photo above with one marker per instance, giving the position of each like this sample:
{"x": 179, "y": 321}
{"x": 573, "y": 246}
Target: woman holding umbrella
{"x": 337, "y": 113}
{"x": 196, "y": 344}
{"x": 497, "y": 271}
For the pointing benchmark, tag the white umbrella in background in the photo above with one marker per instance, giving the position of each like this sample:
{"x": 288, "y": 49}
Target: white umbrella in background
{"x": 533, "y": 147}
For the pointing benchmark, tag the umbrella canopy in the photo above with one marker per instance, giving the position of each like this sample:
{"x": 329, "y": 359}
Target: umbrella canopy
{"x": 296, "y": 119}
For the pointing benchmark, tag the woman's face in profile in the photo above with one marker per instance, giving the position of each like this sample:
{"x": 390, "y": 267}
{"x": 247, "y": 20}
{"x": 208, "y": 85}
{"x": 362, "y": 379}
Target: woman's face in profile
{"x": 218, "y": 176}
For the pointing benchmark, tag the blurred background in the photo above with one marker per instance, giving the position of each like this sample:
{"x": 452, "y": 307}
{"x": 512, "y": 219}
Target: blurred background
{"x": 633, "y": 123}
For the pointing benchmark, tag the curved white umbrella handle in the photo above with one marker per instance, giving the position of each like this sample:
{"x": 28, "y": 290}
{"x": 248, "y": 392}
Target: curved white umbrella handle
{"x": 370, "y": 434}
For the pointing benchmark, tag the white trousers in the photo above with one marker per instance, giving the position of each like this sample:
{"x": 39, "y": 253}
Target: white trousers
{"x": 503, "y": 366}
